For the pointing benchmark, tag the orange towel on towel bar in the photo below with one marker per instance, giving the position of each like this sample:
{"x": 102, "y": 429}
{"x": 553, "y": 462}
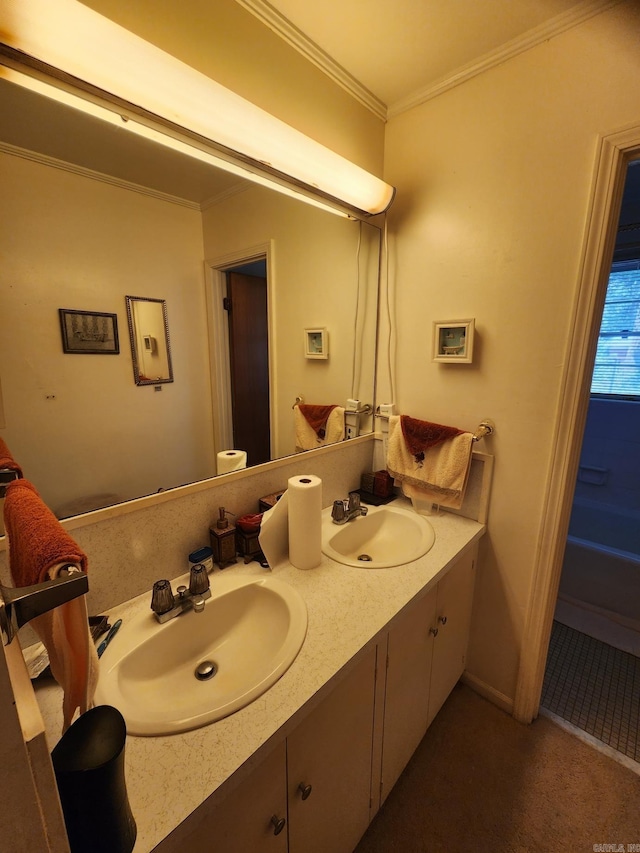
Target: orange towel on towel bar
{"x": 38, "y": 548}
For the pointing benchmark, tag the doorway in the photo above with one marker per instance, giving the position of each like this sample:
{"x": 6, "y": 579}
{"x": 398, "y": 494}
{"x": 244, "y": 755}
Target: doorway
{"x": 239, "y": 297}
{"x": 592, "y": 674}
{"x": 246, "y": 306}
{"x": 614, "y": 153}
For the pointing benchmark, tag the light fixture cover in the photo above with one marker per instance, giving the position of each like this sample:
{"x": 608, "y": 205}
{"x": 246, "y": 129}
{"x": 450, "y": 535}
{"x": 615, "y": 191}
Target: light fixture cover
{"x": 71, "y": 37}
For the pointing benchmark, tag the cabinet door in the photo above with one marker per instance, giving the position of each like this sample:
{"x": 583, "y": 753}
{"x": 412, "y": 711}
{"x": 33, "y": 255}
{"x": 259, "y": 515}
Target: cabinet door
{"x": 30, "y": 817}
{"x": 407, "y": 693}
{"x": 242, "y": 822}
{"x": 329, "y": 767}
{"x": 453, "y": 619}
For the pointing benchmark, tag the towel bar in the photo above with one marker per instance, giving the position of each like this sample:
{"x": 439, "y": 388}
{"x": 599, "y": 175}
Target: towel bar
{"x": 7, "y": 475}
{"x": 485, "y": 428}
{"x": 19, "y": 606}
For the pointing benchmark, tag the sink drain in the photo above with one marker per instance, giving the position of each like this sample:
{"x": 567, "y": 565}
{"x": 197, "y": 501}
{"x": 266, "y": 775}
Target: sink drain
{"x": 365, "y": 558}
{"x": 205, "y": 670}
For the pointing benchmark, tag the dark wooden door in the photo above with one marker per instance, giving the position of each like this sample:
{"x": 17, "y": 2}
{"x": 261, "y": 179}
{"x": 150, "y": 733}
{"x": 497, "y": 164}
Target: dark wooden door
{"x": 249, "y": 359}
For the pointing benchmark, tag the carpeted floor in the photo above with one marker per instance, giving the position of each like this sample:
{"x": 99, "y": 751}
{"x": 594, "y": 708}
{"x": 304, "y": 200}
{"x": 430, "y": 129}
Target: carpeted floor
{"x": 481, "y": 782}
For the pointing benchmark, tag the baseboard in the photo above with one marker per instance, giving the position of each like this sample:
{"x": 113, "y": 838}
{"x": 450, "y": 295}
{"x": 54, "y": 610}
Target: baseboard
{"x": 488, "y": 692}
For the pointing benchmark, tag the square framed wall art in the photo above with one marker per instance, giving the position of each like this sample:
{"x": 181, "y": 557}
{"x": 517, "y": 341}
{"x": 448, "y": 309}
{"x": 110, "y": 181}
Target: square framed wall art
{"x": 453, "y": 341}
{"x": 316, "y": 343}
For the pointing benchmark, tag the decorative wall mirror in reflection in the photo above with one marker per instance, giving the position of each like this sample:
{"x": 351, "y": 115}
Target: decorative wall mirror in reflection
{"x": 149, "y": 335}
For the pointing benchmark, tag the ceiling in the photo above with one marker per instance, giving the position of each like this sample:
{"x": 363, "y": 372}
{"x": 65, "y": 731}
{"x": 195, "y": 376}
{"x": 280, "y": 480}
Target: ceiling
{"x": 403, "y": 51}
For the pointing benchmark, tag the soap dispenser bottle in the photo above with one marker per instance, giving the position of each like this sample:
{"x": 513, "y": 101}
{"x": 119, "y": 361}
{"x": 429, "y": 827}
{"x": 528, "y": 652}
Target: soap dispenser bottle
{"x": 223, "y": 540}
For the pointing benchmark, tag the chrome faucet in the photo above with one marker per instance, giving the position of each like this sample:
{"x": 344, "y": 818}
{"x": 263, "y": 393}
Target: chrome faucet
{"x": 344, "y": 511}
{"x": 167, "y": 606}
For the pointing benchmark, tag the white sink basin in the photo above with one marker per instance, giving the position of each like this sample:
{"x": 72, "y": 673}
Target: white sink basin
{"x": 250, "y": 629}
{"x": 386, "y": 536}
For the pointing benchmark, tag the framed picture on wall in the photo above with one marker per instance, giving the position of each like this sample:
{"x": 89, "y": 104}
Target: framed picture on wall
{"x": 316, "y": 343}
{"x": 89, "y": 332}
{"x": 453, "y": 341}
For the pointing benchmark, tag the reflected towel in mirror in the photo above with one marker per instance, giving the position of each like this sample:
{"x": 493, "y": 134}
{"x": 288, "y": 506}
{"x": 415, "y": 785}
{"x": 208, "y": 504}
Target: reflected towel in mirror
{"x": 318, "y": 425}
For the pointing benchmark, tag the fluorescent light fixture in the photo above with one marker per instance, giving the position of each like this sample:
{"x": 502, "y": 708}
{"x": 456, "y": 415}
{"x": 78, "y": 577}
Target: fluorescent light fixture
{"x": 244, "y": 139}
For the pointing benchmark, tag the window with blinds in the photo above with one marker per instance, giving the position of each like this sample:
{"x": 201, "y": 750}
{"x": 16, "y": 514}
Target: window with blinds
{"x": 617, "y": 368}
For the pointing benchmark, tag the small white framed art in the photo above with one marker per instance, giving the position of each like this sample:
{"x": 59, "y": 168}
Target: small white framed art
{"x": 453, "y": 341}
{"x": 316, "y": 343}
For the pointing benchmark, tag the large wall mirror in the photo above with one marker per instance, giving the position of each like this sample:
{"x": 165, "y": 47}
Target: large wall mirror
{"x": 91, "y": 215}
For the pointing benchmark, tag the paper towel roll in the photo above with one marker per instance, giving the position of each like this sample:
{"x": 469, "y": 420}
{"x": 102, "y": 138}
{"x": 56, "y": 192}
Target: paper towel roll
{"x": 274, "y": 533}
{"x": 231, "y": 460}
{"x": 305, "y": 521}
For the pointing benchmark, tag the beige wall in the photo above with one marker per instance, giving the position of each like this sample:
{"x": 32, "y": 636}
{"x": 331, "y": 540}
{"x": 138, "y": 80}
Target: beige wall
{"x": 229, "y": 44}
{"x": 494, "y": 182}
{"x": 78, "y": 424}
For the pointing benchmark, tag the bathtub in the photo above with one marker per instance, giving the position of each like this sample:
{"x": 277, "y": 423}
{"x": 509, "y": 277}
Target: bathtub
{"x": 602, "y": 560}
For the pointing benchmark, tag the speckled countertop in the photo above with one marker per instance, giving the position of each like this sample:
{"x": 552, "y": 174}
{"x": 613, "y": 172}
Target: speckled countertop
{"x": 348, "y": 608}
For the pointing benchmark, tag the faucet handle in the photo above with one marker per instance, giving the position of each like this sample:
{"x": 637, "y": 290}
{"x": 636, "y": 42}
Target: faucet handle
{"x": 354, "y": 500}
{"x": 162, "y": 599}
{"x": 338, "y": 511}
{"x": 198, "y": 579}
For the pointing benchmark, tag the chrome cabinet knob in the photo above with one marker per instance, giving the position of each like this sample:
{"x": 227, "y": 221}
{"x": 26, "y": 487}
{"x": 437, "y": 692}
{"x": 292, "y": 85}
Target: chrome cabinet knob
{"x": 433, "y": 631}
{"x": 305, "y": 790}
{"x": 278, "y": 824}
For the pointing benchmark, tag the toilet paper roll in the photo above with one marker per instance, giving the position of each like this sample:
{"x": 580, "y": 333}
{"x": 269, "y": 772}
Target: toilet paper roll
{"x": 305, "y": 521}
{"x": 231, "y": 460}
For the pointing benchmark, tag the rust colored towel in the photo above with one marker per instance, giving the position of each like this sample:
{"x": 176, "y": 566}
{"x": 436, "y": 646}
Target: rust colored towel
{"x": 7, "y": 460}
{"x": 38, "y": 549}
{"x": 421, "y": 435}
{"x": 37, "y": 539}
{"x": 317, "y": 417}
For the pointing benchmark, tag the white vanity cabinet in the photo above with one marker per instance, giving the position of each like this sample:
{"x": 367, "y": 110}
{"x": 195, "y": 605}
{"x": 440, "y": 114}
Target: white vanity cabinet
{"x": 426, "y": 651}
{"x": 310, "y": 795}
{"x": 329, "y": 766}
{"x": 409, "y": 651}
{"x": 452, "y": 622}
{"x": 319, "y": 788}
{"x": 245, "y": 821}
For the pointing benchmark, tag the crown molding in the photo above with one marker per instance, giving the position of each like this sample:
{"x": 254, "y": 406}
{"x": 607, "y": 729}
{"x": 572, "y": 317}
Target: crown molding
{"x": 53, "y": 162}
{"x": 294, "y": 37}
{"x": 235, "y": 189}
{"x": 273, "y": 19}
{"x": 551, "y": 28}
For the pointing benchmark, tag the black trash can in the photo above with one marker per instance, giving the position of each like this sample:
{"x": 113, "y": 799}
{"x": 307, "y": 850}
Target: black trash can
{"x": 88, "y": 762}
